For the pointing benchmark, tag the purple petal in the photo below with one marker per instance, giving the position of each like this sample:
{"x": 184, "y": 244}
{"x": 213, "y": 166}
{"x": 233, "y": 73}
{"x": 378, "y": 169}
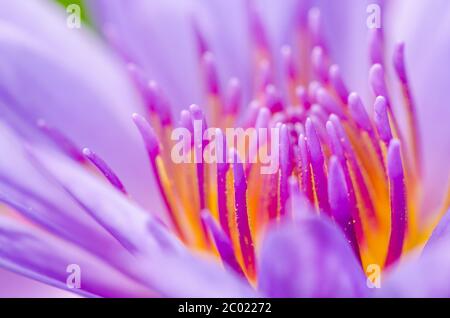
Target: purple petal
{"x": 38, "y": 200}
{"x": 65, "y": 77}
{"x": 158, "y": 37}
{"x": 35, "y": 254}
{"x": 424, "y": 276}
{"x": 310, "y": 258}
{"x": 440, "y": 232}
{"x": 427, "y": 52}
{"x": 17, "y": 286}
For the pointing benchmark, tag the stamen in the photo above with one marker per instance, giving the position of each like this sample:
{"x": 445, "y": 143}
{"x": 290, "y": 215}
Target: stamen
{"x": 318, "y": 112}
{"x": 251, "y": 114}
{"x": 222, "y": 169}
{"x": 376, "y": 81}
{"x": 211, "y": 77}
{"x": 234, "y": 99}
{"x": 397, "y": 191}
{"x": 62, "y": 141}
{"x": 335, "y": 143}
{"x": 315, "y": 27}
{"x": 160, "y": 104}
{"x": 376, "y": 46}
{"x": 318, "y": 166}
{"x": 273, "y": 99}
{"x": 359, "y": 113}
{"x": 351, "y": 157}
{"x": 104, "y": 169}
{"x": 285, "y": 168}
{"x": 152, "y": 146}
{"x": 223, "y": 243}
{"x": 289, "y": 64}
{"x": 257, "y": 29}
{"x": 199, "y": 146}
{"x": 399, "y": 62}
{"x": 381, "y": 119}
{"x": 329, "y": 102}
{"x": 240, "y": 192}
{"x": 302, "y": 96}
{"x": 338, "y": 152}
{"x": 299, "y": 205}
{"x": 306, "y": 179}
{"x": 339, "y": 202}
{"x": 400, "y": 68}
{"x": 148, "y": 136}
{"x": 262, "y": 121}
{"x": 338, "y": 83}
{"x": 319, "y": 64}
{"x": 186, "y": 122}
{"x": 264, "y": 76}
{"x": 202, "y": 45}
{"x": 313, "y": 87}
{"x": 154, "y": 100}
{"x": 378, "y": 84}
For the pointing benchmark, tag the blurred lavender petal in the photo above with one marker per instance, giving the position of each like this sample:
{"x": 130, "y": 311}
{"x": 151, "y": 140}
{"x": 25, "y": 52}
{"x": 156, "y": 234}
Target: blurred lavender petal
{"x": 67, "y": 78}
{"x": 35, "y": 254}
{"x": 310, "y": 258}
{"x": 441, "y": 232}
{"x": 424, "y": 276}
{"x": 425, "y": 28}
{"x": 158, "y": 37}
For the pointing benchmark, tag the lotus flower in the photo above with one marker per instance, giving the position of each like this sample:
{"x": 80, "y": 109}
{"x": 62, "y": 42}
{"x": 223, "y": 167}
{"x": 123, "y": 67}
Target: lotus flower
{"x": 86, "y": 175}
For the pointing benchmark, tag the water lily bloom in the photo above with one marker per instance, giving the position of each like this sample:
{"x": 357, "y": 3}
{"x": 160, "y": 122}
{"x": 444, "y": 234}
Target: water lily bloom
{"x": 93, "y": 203}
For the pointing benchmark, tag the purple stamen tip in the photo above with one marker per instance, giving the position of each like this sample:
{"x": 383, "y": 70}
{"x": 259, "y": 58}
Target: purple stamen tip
{"x": 66, "y": 144}
{"x": 376, "y": 80}
{"x": 317, "y": 163}
{"x": 313, "y": 87}
{"x": 340, "y": 201}
{"x": 313, "y": 141}
{"x": 288, "y": 61}
{"x": 338, "y": 82}
{"x": 337, "y": 189}
{"x": 328, "y": 102}
{"x": 263, "y": 118}
{"x": 234, "y": 96}
{"x": 376, "y": 46}
{"x": 186, "y": 120}
{"x": 381, "y": 119}
{"x": 202, "y": 44}
{"x": 240, "y": 193}
{"x": 302, "y": 96}
{"x": 359, "y": 112}
{"x": 148, "y": 135}
{"x": 399, "y": 62}
{"x": 210, "y": 69}
{"x": 397, "y": 192}
{"x": 223, "y": 243}
{"x": 286, "y": 167}
{"x": 273, "y": 102}
{"x": 157, "y": 102}
{"x": 319, "y": 63}
{"x": 299, "y": 205}
{"x": 314, "y": 25}
{"x": 335, "y": 143}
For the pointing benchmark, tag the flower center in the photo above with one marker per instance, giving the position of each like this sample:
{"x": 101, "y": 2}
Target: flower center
{"x": 362, "y": 171}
